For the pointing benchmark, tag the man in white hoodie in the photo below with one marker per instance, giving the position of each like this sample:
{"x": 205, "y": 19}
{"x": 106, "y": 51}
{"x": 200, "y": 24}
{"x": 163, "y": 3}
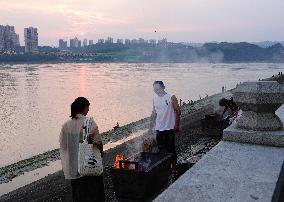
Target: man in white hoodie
{"x": 165, "y": 119}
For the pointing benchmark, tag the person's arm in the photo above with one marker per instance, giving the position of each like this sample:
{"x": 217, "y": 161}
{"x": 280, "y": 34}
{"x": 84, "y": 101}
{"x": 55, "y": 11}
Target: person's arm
{"x": 224, "y": 111}
{"x": 153, "y": 118}
{"x": 62, "y": 141}
{"x": 177, "y": 112}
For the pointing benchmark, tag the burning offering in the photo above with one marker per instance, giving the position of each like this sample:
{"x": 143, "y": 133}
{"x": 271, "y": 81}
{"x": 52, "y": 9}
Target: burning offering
{"x": 119, "y": 157}
{"x": 141, "y": 176}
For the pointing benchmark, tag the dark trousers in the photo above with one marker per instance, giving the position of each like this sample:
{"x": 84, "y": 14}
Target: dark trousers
{"x": 89, "y": 188}
{"x": 166, "y": 142}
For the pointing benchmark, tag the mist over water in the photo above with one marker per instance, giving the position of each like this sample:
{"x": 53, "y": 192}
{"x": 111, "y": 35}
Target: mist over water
{"x": 35, "y": 99}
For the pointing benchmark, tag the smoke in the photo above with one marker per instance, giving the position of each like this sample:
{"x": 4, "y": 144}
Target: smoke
{"x": 149, "y": 142}
{"x": 216, "y": 57}
{"x": 203, "y": 55}
{"x": 144, "y": 143}
{"x": 215, "y": 104}
{"x": 134, "y": 147}
{"x": 189, "y": 54}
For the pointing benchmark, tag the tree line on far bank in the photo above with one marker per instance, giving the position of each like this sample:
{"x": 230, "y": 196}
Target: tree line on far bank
{"x": 168, "y": 53}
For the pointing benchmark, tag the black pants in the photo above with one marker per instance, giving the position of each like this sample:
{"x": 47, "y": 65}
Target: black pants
{"x": 89, "y": 188}
{"x": 166, "y": 142}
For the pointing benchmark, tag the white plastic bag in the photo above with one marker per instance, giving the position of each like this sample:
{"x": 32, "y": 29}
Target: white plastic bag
{"x": 89, "y": 157}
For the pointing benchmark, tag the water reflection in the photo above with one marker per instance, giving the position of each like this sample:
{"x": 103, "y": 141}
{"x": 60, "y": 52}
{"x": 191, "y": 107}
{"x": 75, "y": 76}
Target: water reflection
{"x": 82, "y": 83}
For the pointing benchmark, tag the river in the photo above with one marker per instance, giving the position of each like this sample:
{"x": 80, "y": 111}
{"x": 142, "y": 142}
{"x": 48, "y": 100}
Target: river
{"x": 35, "y": 98}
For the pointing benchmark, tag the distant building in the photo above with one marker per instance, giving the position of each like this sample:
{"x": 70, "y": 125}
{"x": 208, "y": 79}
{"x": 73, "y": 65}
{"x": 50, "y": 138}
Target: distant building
{"x": 162, "y": 42}
{"x": 72, "y": 43}
{"x": 85, "y": 42}
{"x": 141, "y": 41}
{"x": 134, "y": 41}
{"x": 79, "y": 44}
{"x": 75, "y": 43}
{"x": 9, "y": 40}
{"x": 119, "y": 41}
{"x": 109, "y": 40}
{"x": 62, "y": 44}
{"x": 152, "y": 42}
{"x": 127, "y": 41}
{"x": 101, "y": 40}
{"x": 91, "y": 42}
{"x": 31, "y": 39}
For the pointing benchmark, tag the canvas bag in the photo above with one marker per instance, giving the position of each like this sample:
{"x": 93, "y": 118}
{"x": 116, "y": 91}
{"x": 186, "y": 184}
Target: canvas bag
{"x": 89, "y": 156}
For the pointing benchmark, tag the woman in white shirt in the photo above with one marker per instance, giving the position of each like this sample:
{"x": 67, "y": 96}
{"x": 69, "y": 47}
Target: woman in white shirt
{"x": 88, "y": 188}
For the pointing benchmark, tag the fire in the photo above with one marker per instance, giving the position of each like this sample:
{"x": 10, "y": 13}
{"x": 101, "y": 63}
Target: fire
{"x": 119, "y": 157}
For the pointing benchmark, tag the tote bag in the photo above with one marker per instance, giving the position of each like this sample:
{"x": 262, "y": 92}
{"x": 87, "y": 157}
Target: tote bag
{"x": 89, "y": 156}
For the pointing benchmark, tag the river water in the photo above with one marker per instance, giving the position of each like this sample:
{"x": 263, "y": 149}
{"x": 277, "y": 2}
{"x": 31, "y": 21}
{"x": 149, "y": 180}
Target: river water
{"x": 35, "y": 98}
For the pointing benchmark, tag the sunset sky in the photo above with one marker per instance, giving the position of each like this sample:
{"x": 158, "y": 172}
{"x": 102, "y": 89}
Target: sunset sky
{"x": 176, "y": 20}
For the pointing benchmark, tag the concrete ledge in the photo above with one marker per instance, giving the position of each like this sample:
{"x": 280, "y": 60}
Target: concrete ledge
{"x": 270, "y": 138}
{"x": 230, "y": 172}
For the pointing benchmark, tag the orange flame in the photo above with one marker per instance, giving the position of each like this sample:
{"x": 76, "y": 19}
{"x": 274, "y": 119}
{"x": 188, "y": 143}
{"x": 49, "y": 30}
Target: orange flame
{"x": 119, "y": 157}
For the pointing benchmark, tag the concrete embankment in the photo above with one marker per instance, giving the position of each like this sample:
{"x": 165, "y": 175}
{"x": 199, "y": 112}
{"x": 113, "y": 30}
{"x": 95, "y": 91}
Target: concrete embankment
{"x": 189, "y": 142}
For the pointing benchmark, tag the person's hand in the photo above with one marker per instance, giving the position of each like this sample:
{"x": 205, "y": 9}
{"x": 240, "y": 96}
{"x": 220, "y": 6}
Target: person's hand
{"x": 151, "y": 129}
{"x": 176, "y": 129}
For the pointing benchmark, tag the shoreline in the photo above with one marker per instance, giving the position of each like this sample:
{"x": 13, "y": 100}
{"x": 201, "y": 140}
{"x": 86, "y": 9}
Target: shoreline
{"x": 16, "y": 169}
{"x": 136, "y": 62}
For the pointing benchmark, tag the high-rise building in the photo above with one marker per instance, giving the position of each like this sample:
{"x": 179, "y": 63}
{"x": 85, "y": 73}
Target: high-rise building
{"x": 119, "y": 41}
{"x": 75, "y": 43}
{"x": 152, "y": 42}
{"x": 72, "y": 43}
{"x": 109, "y": 40}
{"x": 101, "y": 40}
{"x": 162, "y": 42}
{"x": 85, "y": 42}
{"x": 62, "y": 44}
{"x": 127, "y": 41}
{"x": 141, "y": 41}
{"x": 9, "y": 40}
{"x": 31, "y": 39}
{"x": 134, "y": 41}
{"x": 91, "y": 42}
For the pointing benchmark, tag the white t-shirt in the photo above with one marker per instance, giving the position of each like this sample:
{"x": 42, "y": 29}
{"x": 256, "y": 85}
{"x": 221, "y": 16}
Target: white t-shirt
{"x": 166, "y": 116}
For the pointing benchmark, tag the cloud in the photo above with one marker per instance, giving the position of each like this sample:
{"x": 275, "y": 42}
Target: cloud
{"x": 75, "y": 15}
{"x": 178, "y": 20}
{"x": 164, "y": 29}
{"x": 56, "y": 21}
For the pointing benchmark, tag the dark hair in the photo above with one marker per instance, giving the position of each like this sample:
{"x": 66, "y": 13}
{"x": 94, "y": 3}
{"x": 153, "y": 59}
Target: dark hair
{"x": 78, "y": 106}
{"x": 161, "y": 83}
{"x": 223, "y": 102}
